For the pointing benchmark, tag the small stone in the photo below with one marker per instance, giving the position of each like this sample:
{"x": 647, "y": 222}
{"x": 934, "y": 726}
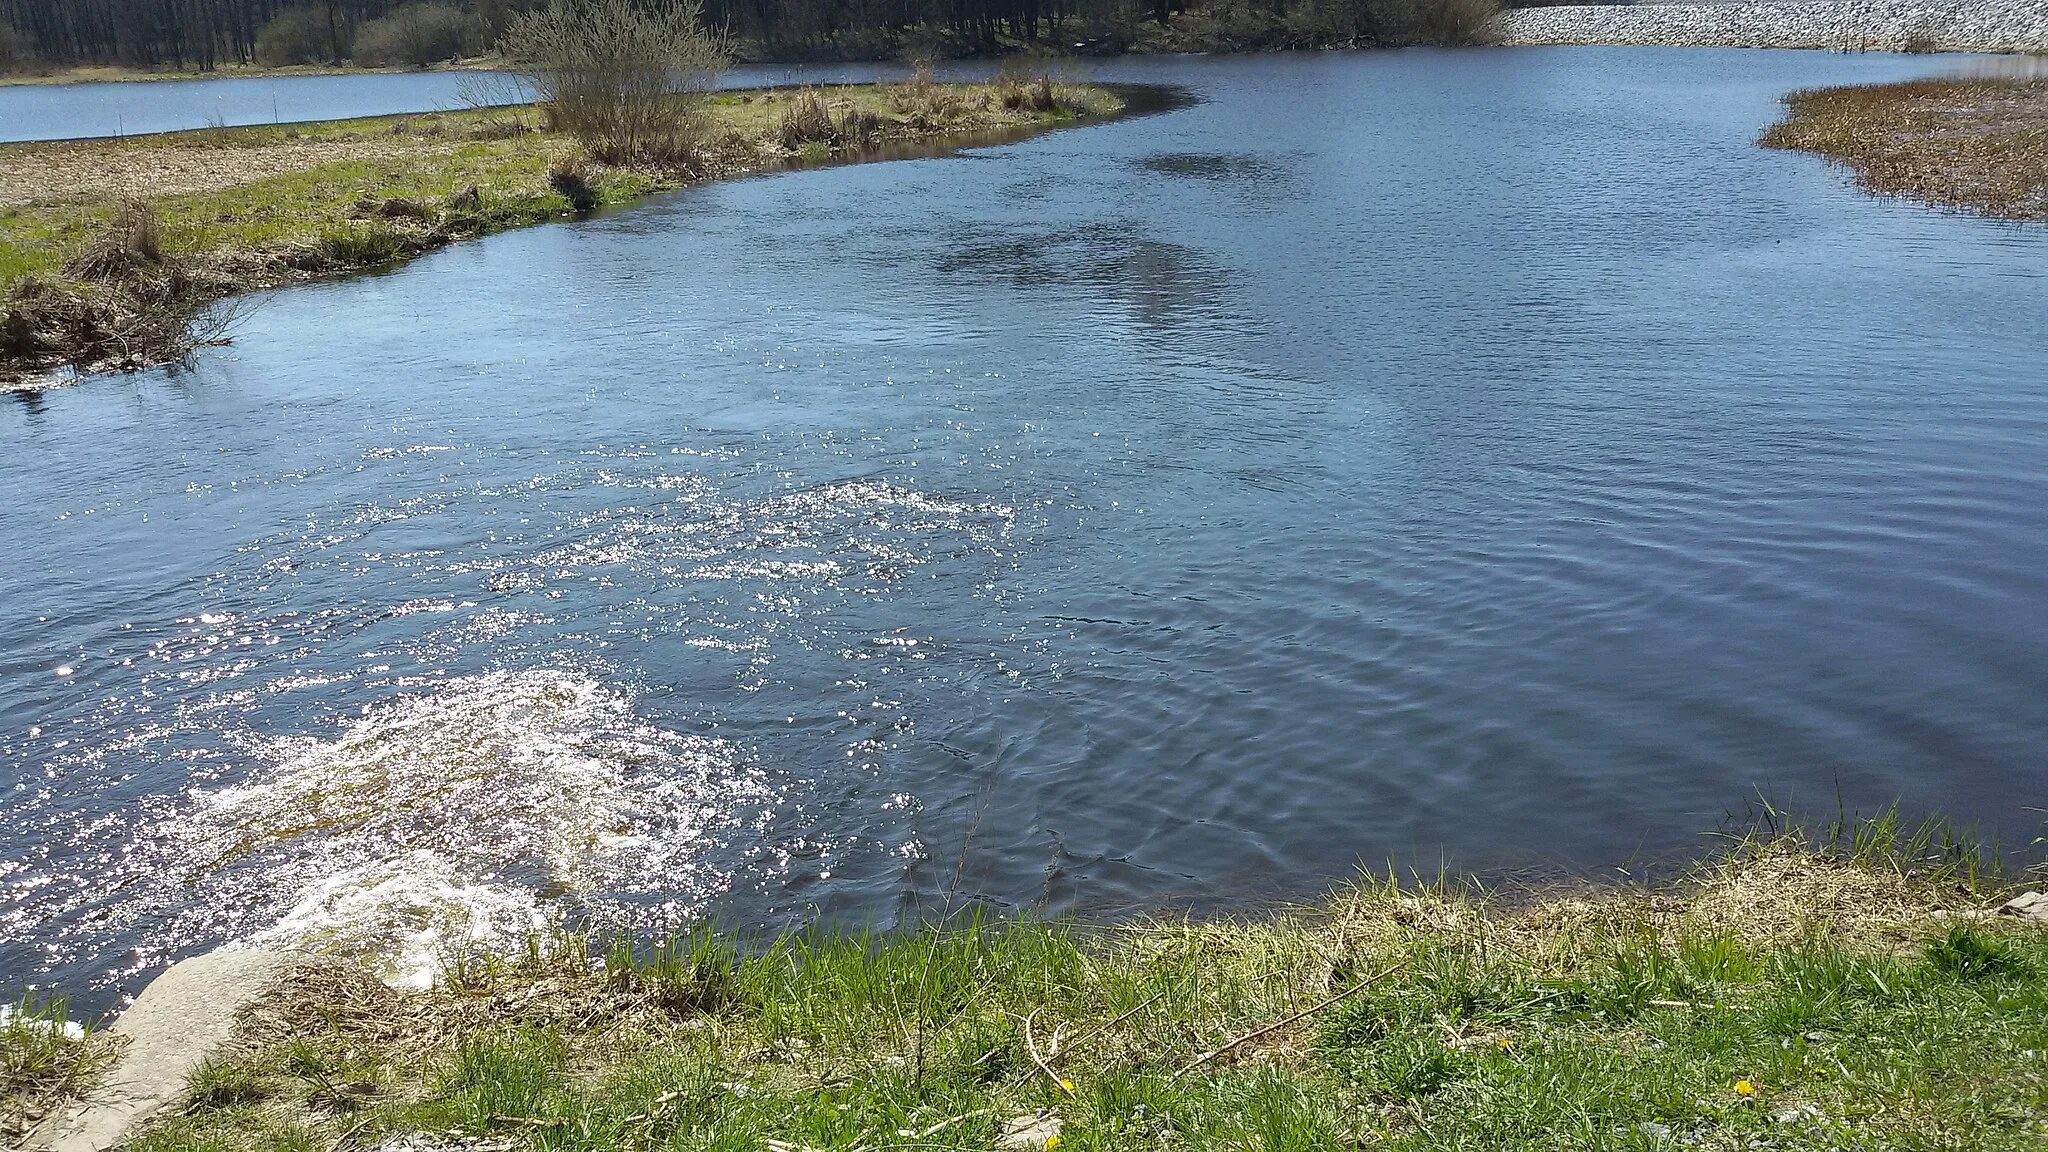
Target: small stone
{"x": 2031, "y": 906}
{"x": 1028, "y": 1133}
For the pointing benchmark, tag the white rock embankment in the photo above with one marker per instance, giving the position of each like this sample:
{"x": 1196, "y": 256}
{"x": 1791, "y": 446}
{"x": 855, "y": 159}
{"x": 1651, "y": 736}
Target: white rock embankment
{"x": 1835, "y": 25}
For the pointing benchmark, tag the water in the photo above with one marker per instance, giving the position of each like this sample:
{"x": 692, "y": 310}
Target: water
{"x": 131, "y": 108}
{"x": 1484, "y": 457}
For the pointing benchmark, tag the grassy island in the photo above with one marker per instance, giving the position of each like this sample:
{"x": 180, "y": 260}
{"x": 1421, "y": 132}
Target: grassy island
{"x": 108, "y": 247}
{"x": 1786, "y": 995}
{"x": 1969, "y": 144}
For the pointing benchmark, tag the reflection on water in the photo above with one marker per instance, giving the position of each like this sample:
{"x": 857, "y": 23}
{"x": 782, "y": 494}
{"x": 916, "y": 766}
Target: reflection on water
{"x": 1488, "y": 456}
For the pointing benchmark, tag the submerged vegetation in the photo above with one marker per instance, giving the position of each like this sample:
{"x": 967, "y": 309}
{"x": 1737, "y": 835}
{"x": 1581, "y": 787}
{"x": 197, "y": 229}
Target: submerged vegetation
{"x": 1977, "y": 145}
{"x": 1789, "y": 994}
{"x": 108, "y": 248}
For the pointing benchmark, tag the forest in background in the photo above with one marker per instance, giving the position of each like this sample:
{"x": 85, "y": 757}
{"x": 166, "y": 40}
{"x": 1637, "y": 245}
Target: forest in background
{"x": 202, "y": 35}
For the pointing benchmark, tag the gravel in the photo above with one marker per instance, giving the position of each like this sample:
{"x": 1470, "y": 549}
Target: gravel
{"x": 1837, "y": 25}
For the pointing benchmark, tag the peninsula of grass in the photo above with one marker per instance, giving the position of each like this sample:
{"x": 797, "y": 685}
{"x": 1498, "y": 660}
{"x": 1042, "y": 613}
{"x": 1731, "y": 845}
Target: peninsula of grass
{"x": 1784, "y": 995}
{"x": 1968, "y": 144}
{"x": 107, "y": 247}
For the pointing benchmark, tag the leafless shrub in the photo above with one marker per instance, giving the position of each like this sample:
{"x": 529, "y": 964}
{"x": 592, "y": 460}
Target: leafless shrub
{"x": 627, "y": 80}
{"x": 16, "y": 54}
{"x": 305, "y": 35}
{"x": 1920, "y": 41}
{"x": 1447, "y": 23}
{"x": 419, "y": 35}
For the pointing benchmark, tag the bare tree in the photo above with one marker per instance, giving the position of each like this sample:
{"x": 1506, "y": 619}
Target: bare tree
{"x": 628, "y": 80}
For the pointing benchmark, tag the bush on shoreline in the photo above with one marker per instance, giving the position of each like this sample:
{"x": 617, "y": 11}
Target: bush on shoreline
{"x": 628, "y": 80}
{"x": 418, "y": 35}
{"x": 16, "y": 53}
{"x": 305, "y": 35}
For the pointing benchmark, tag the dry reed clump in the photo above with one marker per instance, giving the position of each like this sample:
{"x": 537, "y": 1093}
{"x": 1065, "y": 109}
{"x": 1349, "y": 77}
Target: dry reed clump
{"x": 1784, "y": 892}
{"x": 923, "y": 102}
{"x": 1036, "y": 95}
{"x": 1969, "y": 144}
{"x": 806, "y": 121}
{"x": 859, "y": 128}
{"x": 128, "y": 244}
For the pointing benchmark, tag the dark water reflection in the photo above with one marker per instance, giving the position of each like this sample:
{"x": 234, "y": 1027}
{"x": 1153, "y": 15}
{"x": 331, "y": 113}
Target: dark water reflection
{"x": 1484, "y": 456}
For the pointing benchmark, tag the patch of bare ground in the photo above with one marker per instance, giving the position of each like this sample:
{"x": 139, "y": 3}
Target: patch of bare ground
{"x": 1975, "y": 145}
{"x": 153, "y": 166}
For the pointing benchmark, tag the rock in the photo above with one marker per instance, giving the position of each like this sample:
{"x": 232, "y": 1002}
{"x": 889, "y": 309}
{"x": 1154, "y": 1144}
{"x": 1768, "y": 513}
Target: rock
{"x": 2027, "y": 906}
{"x": 182, "y": 1018}
{"x": 1029, "y": 1133}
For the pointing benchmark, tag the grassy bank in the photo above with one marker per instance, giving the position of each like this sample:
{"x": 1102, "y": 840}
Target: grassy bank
{"x": 107, "y": 246}
{"x": 1972, "y": 145}
{"x": 1782, "y": 996}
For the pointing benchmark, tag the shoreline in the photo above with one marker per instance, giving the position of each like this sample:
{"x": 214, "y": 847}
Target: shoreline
{"x": 1773, "y": 992}
{"x": 109, "y": 247}
{"x": 1977, "y": 145}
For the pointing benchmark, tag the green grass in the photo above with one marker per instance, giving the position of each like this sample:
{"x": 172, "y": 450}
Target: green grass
{"x": 41, "y": 1057}
{"x": 1592, "y": 1020}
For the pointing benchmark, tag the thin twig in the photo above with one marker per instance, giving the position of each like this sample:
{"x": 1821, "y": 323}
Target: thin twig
{"x": 949, "y": 1121}
{"x": 347, "y": 1135}
{"x": 1113, "y": 1021}
{"x": 1031, "y": 1049}
{"x": 1311, "y": 1010}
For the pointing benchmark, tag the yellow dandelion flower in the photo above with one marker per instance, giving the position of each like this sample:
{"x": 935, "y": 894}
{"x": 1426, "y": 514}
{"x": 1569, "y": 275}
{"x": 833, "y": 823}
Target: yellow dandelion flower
{"x": 1067, "y": 1086}
{"x": 1744, "y": 1088}
{"x": 1053, "y": 1141}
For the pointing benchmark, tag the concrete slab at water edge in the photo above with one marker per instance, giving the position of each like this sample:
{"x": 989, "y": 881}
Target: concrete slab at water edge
{"x": 184, "y": 1016}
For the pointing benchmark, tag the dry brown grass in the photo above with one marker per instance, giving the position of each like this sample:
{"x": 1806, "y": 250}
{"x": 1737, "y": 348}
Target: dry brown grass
{"x": 1977, "y": 145}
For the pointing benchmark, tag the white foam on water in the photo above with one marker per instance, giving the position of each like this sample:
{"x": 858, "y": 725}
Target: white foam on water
{"x": 411, "y": 914}
{"x": 470, "y": 814}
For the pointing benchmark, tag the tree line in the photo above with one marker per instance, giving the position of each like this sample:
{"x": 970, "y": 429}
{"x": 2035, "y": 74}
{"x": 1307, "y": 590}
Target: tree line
{"x": 205, "y": 34}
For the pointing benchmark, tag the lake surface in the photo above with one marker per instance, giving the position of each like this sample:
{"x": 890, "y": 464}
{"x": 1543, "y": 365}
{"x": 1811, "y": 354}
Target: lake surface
{"x": 1482, "y": 457}
{"x": 131, "y": 108}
